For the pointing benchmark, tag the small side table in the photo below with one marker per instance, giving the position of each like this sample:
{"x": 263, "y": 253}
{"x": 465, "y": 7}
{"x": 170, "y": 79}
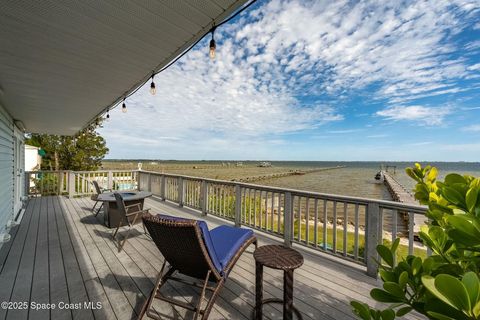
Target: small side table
{"x": 281, "y": 258}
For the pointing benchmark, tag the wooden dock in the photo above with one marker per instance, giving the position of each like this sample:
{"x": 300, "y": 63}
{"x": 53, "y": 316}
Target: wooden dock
{"x": 285, "y": 174}
{"x": 400, "y": 194}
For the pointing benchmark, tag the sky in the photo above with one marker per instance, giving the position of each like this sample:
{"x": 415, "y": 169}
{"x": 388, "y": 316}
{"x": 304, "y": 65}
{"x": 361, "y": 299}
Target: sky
{"x": 318, "y": 81}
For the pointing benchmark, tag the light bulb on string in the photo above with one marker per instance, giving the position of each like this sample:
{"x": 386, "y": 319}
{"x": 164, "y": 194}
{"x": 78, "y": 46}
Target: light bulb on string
{"x": 153, "y": 90}
{"x": 213, "y": 45}
{"x": 108, "y": 115}
{"x": 124, "y": 106}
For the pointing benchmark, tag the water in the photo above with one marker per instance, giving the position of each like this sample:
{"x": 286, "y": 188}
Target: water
{"x": 356, "y": 179}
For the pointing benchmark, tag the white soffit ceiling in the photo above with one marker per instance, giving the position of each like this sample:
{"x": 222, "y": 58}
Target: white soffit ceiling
{"x": 63, "y": 62}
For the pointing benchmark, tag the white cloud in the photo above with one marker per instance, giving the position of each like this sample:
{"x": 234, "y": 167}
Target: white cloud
{"x": 472, "y": 128}
{"x": 425, "y": 115}
{"x": 377, "y": 136}
{"x": 275, "y": 58}
{"x": 473, "y": 148}
{"x": 473, "y": 45}
{"x": 421, "y": 143}
{"x": 345, "y": 131}
{"x": 403, "y": 47}
{"x": 474, "y": 67}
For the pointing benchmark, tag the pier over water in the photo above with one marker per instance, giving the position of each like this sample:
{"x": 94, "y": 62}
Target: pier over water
{"x": 400, "y": 194}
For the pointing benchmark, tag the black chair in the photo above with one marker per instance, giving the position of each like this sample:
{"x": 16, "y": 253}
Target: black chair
{"x": 94, "y": 196}
{"x": 191, "y": 249}
{"x": 129, "y": 215}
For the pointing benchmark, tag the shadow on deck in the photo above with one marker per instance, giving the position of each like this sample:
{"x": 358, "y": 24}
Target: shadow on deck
{"x": 62, "y": 255}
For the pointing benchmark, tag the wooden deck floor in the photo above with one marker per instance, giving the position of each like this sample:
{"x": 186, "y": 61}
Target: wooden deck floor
{"x": 61, "y": 253}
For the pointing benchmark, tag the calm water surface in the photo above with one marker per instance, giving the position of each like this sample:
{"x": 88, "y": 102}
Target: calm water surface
{"x": 356, "y": 179}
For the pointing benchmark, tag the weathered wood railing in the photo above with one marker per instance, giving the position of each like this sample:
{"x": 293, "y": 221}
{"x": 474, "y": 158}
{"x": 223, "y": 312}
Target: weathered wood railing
{"x": 77, "y": 183}
{"x": 347, "y": 227}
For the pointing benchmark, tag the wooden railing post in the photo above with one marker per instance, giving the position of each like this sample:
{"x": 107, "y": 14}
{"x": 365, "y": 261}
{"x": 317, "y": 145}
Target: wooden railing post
{"x": 110, "y": 180}
{"x": 71, "y": 184}
{"x": 204, "y": 197}
{"x": 149, "y": 182}
{"x": 288, "y": 220}
{"x": 60, "y": 182}
{"x": 238, "y": 205}
{"x": 373, "y": 238}
{"x": 180, "y": 191}
{"x": 163, "y": 187}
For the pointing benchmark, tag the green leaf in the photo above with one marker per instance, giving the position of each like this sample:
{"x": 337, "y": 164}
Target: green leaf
{"x": 476, "y": 310}
{"x": 439, "y": 316}
{"x": 403, "y": 311}
{"x": 383, "y": 296}
{"x": 412, "y": 174}
{"x": 454, "y": 178}
{"x": 416, "y": 265}
{"x": 394, "y": 289}
{"x": 472, "y": 284}
{"x": 403, "y": 279}
{"x": 429, "y": 283}
{"x": 471, "y": 199}
{"x": 387, "y": 275}
{"x": 361, "y": 309}
{"x": 385, "y": 254}
{"x": 453, "y": 195}
{"x": 388, "y": 314}
{"x": 454, "y": 291}
{"x": 465, "y": 230}
{"x": 395, "y": 244}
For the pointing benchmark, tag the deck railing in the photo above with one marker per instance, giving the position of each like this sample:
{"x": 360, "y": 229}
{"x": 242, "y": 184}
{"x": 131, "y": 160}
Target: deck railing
{"x": 77, "y": 183}
{"x": 347, "y": 227}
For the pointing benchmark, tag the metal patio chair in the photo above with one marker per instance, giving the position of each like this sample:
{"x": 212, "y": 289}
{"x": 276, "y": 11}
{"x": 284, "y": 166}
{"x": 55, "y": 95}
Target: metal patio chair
{"x": 129, "y": 215}
{"x": 94, "y": 196}
{"x": 189, "y": 248}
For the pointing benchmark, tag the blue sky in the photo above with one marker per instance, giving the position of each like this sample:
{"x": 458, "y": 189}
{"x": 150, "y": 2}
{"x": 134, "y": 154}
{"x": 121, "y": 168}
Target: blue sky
{"x": 318, "y": 80}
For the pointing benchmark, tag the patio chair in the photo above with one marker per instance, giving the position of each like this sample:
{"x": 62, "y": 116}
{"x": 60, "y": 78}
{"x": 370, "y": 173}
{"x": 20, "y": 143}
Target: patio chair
{"x": 94, "y": 196}
{"x": 129, "y": 215}
{"x": 192, "y": 250}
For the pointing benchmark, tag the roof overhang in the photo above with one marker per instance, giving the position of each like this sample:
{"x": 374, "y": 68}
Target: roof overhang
{"x": 63, "y": 63}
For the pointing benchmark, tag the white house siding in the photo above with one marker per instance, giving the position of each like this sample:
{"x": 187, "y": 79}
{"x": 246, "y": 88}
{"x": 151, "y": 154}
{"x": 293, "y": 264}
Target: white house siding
{"x": 6, "y": 169}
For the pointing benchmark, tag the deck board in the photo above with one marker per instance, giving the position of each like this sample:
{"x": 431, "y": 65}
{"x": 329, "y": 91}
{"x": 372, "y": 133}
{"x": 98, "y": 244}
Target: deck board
{"x": 61, "y": 252}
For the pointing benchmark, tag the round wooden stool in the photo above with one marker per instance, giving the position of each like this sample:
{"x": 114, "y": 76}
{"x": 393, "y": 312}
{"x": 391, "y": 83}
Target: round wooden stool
{"x": 281, "y": 258}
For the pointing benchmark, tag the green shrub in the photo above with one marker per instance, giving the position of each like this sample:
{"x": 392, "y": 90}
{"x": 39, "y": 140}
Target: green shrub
{"x": 445, "y": 285}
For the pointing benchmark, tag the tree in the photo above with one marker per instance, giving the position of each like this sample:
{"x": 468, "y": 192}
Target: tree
{"x": 446, "y": 285}
{"x": 83, "y": 152}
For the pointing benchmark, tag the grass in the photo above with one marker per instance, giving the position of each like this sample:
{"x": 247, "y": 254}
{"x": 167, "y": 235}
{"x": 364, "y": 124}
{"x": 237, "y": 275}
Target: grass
{"x": 402, "y": 250}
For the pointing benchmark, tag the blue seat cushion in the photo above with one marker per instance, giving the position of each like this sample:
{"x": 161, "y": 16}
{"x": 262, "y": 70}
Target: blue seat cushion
{"x": 206, "y": 238}
{"x": 227, "y": 241}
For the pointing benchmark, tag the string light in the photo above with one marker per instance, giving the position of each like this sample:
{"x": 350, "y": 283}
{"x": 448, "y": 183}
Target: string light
{"x": 124, "y": 106}
{"x": 153, "y": 90}
{"x": 213, "y": 45}
{"x": 212, "y": 54}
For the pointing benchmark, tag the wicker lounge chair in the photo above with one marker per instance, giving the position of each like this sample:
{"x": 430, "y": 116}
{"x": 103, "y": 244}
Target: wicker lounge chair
{"x": 129, "y": 216}
{"x": 94, "y": 197}
{"x": 191, "y": 249}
